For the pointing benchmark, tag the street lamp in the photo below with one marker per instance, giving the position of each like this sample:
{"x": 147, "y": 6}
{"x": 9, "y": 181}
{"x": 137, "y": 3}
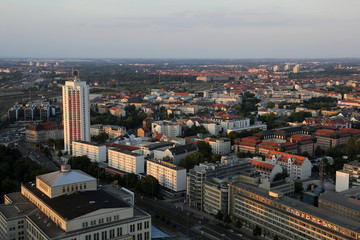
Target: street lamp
{"x": 187, "y": 224}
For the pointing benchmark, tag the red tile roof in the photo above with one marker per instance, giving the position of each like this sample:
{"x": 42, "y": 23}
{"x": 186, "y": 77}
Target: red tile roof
{"x": 262, "y": 166}
{"x": 283, "y": 157}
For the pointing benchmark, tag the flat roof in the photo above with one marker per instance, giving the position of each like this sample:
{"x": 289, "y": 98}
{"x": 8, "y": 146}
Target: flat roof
{"x": 304, "y": 207}
{"x": 79, "y": 203}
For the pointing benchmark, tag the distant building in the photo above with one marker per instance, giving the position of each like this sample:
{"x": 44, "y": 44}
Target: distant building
{"x": 266, "y": 170}
{"x": 219, "y": 145}
{"x": 175, "y": 154}
{"x": 298, "y": 167}
{"x": 40, "y": 133}
{"x": 170, "y": 129}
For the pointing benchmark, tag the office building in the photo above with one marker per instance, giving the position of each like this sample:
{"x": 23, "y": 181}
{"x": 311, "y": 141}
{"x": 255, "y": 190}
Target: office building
{"x": 76, "y": 112}
{"x": 196, "y": 177}
{"x": 287, "y": 218}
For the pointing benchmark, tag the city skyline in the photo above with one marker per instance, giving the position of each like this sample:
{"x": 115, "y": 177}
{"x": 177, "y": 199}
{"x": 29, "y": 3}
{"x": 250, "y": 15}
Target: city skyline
{"x": 179, "y": 29}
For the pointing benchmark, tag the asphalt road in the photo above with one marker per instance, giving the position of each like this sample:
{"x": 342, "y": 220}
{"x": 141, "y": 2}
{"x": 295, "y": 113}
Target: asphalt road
{"x": 196, "y": 225}
{"x": 36, "y": 156}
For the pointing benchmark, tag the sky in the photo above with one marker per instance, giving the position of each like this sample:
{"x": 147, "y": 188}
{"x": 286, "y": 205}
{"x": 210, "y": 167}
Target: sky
{"x": 180, "y": 28}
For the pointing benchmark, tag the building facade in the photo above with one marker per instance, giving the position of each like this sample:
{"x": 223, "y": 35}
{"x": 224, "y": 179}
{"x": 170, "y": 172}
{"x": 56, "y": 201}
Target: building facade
{"x": 53, "y": 209}
{"x": 126, "y": 161}
{"x": 168, "y": 175}
{"x": 76, "y": 112}
{"x": 287, "y": 218}
{"x": 95, "y": 152}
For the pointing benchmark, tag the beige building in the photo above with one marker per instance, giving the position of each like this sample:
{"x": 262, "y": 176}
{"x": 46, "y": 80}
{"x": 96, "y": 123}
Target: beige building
{"x": 219, "y": 145}
{"x": 67, "y": 205}
{"x": 126, "y": 161}
{"x": 40, "y": 133}
{"x": 168, "y": 175}
{"x": 95, "y": 152}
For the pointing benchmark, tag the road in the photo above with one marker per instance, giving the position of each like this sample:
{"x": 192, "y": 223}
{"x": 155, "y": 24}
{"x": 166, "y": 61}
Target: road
{"x": 35, "y": 156}
{"x": 197, "y": 226}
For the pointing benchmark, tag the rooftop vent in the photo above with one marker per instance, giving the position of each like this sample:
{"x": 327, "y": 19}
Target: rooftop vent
{"x": 65, "y": 168}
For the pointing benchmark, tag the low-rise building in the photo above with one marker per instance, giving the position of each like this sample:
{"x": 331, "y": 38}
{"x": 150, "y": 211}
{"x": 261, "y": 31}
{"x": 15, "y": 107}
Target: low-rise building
{"x": 169, "y": 175}
{"x": 298, "y": 167}
{"x": 176, "y": 153}
{"x": 266, "y": 170}
{"x": 248, "y": 144}
{"x": 95, "y": 152}
{"x": 40, "y": 133}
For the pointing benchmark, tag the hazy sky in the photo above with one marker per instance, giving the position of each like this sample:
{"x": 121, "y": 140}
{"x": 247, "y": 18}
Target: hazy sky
{"x": 180, "y": 28}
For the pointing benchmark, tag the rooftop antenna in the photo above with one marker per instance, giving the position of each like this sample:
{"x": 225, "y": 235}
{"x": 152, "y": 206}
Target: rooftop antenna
{"x": 75, "y": 74}
{"x": 321, "y": 173}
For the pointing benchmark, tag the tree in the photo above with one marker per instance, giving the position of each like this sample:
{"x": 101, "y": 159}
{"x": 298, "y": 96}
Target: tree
{"x": 219, "y": 215}
{"x": 227, "y": 218}
{"x": 101, "y": 138}
{"x": 319, "y": 151}
{"x": 238, "y": 223}
{"x": 191, "y": 160}
{"x": 59, "y": 154}
{"x": 352, "y": 148}
{"x": 298, "y": 187}
{"x": 270, "y": 105}
{"x": 257, "y": 231}
{"x": 150, "y": 186}
{"x": 204, "y": 149}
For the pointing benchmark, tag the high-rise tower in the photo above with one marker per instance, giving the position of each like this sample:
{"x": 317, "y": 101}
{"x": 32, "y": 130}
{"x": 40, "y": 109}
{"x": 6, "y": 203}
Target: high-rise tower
{"x": 76, "y": 111}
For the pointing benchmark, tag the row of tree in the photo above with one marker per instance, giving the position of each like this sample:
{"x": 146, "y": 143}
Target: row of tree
{"x": 132, "y": 119}
{"x": 148, "y": 185}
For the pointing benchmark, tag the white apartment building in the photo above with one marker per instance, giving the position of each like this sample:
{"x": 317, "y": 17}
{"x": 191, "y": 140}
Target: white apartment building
{"x": 126, "y": 161}
{"x": 232, "y": 123}
{"x": 298, "y": 167}
{"x": 214, "y": 128}
{"x": 76, "y": 112}
{"x": 95, "y": 152}
{"x": 169, "y": 129}
{"x": 168, "y": 175}
{"x": 219, "y": 145}
{"x": 67, "y": 205}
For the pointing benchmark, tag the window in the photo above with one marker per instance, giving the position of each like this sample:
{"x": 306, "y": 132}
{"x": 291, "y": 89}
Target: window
{"x": 132, "y": 228}
{"x": 88, "y": 237}
{"x": 139, "y": 226}
{"x": 101, "y": 220}
{"x": 96, "y": 236}
{"x": 119, "y": 232}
